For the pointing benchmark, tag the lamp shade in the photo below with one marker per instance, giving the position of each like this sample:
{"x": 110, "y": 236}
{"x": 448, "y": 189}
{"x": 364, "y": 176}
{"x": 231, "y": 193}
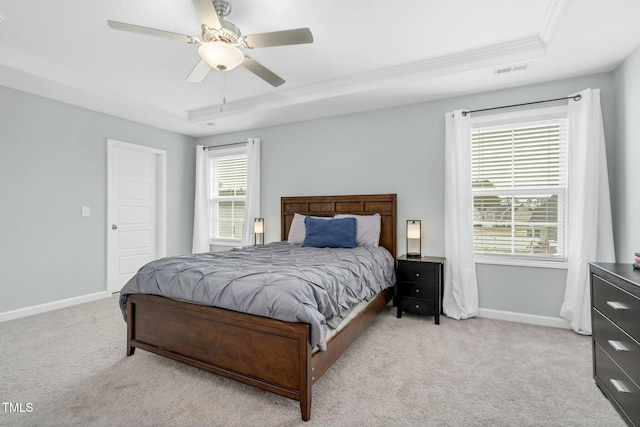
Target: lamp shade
{"x": 221, "y": 55}
{"x": 413, "y": 230}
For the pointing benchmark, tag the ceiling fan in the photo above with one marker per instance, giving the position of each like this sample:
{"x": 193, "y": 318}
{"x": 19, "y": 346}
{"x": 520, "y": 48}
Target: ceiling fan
{"x": 221, "y": 42}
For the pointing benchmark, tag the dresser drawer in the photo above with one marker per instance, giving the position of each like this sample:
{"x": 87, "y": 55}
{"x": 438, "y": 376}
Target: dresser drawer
{"x": 624, "y": 350}
{"x": 417, "y": 306}
{"x": 410, "y": 271}
{"x": 618, "y": 305}
{"x": 623, "y": 390}
{"x": 417, "y": 290}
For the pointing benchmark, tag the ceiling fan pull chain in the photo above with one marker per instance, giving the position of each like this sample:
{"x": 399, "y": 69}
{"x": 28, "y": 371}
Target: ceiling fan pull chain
{"x": 222, "y": 95}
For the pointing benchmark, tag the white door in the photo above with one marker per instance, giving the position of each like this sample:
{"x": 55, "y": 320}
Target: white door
{"x": 135, "y": 220}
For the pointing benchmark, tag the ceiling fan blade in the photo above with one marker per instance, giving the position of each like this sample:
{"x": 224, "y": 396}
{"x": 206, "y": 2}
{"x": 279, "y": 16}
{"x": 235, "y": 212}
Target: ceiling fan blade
{"x": 207, "y": 13}
{"x": 199, "y": 72}
{"x": 150, "y": 31}
{"x": 261, "y": 71}
{"x": 279, "y": 38}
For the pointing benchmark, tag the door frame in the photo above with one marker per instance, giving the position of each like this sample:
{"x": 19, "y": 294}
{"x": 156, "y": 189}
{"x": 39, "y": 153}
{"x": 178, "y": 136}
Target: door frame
{"x": 161, "y": 205}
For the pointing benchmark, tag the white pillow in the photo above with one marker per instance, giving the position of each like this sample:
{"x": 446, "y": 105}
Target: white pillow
{"x": 368, "y": 228}
{"x": 297, "y": 231}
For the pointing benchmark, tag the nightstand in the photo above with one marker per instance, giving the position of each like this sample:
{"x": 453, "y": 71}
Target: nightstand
{"x": 419, "y": 286}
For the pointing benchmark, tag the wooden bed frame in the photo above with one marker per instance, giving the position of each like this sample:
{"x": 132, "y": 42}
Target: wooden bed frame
{"x": 269, "y": 354}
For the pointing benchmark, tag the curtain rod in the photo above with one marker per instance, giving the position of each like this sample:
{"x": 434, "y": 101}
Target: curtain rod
{"x": 575, "y": 98}
{"x": 223, "y": 145}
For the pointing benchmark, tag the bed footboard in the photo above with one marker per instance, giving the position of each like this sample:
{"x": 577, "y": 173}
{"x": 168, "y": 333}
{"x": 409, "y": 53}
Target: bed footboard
{"x": 265, "y": 353}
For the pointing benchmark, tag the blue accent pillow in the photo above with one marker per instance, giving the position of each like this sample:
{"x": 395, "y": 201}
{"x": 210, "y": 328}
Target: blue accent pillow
{"x": 332, "y": 233}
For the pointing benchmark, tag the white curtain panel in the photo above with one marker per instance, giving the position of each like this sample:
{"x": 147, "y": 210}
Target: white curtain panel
{"x": 252, "y": 207}
{"x": 201, "y": 204}
{"x": 460, "y": 296}
{"x": 589, "y": 224}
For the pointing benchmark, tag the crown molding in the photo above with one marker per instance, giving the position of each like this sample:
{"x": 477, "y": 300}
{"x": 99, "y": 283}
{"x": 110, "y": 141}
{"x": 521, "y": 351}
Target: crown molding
{"x": 551, "y": 20}
{"x": 516, "y": 51}
{"x": 101, "y": 96}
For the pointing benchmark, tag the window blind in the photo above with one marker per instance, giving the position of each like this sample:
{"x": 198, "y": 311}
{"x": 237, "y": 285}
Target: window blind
{"x": 228, "y": 183}
{"x": 519, "y": 183}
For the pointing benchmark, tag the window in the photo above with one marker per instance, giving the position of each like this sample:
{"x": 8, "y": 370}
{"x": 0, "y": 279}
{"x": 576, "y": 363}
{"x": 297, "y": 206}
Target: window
{"x": 519, "y": 186}
{"x": 228, "y": 192}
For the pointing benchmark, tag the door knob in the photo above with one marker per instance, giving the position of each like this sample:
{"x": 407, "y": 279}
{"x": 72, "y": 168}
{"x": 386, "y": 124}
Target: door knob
{"x": 114, "y": 227}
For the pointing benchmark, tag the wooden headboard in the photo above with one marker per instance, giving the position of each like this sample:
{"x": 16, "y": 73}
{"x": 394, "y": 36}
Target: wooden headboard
{"x": 365, "y": 204}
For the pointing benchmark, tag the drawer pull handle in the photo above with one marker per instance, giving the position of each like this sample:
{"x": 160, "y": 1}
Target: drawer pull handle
{"x": 616, "y": 305}
{"x": 417, "y": 305}
{"x": 417, "y": 291}
{"x": 617, "y": 345}
{"x": 417, "y": 274}
{"x": 620, "y": 386}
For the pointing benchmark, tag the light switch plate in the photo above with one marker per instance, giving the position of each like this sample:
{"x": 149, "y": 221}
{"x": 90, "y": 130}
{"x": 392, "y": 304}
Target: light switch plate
{"x": 86, "y": 211}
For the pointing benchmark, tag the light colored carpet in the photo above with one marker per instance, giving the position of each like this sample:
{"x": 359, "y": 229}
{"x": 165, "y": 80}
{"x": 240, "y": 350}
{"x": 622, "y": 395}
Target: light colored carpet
{"x": 70, "y": 364}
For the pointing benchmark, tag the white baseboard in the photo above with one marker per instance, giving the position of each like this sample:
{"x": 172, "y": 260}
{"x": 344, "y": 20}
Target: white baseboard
{"x": 42, "y": 308}
{"x": 555, "y": 322}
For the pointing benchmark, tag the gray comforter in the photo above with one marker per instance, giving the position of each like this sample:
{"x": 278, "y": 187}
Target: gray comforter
{"x": 279, "y": 280}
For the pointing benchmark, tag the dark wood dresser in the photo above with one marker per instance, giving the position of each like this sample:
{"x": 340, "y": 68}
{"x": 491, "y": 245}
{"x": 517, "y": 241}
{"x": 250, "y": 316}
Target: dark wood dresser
{"x": 419, "y": 286}
{"x": 615, "y": 317}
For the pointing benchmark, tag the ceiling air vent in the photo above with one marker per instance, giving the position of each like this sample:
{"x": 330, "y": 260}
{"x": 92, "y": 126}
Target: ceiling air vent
{"x": 506, "y": 70}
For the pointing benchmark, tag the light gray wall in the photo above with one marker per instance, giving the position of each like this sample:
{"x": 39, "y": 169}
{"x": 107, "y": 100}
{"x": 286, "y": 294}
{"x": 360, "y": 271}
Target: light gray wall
{"x": 401, "y": 150}
{"x": 625, "y": 194}
{"x": 53, "y": 161}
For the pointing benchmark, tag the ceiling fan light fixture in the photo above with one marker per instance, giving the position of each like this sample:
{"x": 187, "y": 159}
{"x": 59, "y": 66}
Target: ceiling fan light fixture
{"x": 221, "y": 55}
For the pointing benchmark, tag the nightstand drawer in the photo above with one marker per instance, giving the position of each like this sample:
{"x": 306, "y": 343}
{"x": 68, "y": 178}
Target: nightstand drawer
{"x": 619, "y": 306}
{"x": 417, "y": 290}
{"x": 619, "y": 385}
{"x": 417, "y": 272}
{"x": 624, "y": 350}
{"x": 416, "y": 306}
